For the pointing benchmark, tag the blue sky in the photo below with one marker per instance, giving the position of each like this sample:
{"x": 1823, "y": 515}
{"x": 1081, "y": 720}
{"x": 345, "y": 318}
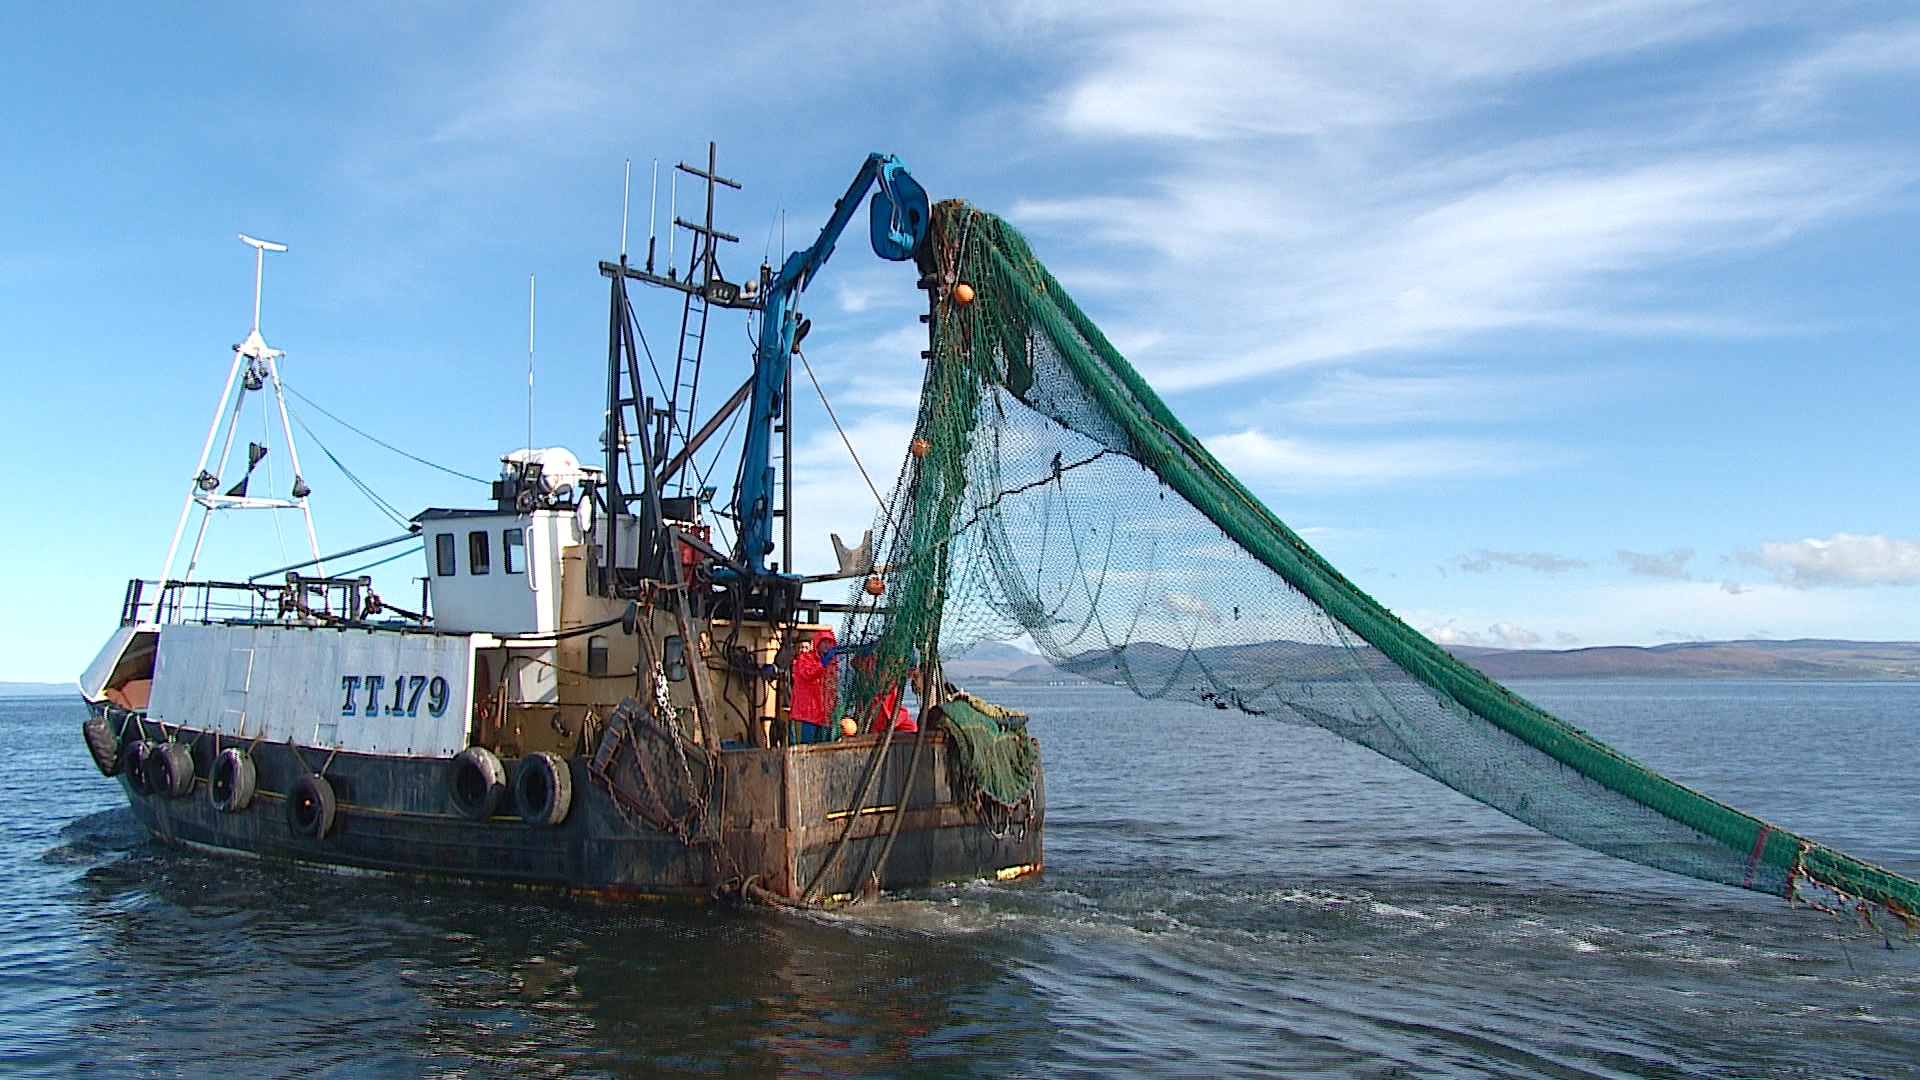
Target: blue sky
{"x": 1549, "y": 324}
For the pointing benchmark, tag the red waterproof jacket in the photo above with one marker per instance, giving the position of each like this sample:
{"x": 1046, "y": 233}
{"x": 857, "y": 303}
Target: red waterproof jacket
{"x": 815, "y": 685}
{"x": 890, "y": 707}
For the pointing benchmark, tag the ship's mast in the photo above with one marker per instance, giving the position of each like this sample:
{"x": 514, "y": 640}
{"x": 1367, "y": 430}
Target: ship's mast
{"x": 662, "y": 433}
{"x": 253, "y": 369}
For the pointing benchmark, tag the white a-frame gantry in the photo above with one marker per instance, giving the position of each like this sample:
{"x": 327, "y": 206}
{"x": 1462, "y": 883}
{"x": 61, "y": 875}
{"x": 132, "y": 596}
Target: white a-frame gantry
{"x": 253, "y": 369}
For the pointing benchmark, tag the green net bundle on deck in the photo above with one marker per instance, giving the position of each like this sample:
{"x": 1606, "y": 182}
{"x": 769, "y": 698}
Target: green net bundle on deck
{"x": 1000, "y": 756}
{"x": 1055, "y": 495}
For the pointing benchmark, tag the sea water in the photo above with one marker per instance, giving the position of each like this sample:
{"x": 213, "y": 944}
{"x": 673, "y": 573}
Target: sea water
{"x": 1224, "y": 896}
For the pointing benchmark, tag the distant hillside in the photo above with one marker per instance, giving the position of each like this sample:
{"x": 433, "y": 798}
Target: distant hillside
{"x": 1806, "y": 658}
{"x": 994, "y": 662}
{"x": 37, "y": 689}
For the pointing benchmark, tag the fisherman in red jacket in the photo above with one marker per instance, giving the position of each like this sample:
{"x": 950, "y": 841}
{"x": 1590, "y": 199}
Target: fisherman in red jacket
{"x": 887, "y": 711}
{"x": 816, "y": 686}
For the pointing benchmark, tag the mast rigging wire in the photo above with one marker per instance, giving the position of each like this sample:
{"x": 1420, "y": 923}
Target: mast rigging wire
{"x": 371, "y": 438}
{"x": 381, "y": 504}
{"x": 380, "y": 562}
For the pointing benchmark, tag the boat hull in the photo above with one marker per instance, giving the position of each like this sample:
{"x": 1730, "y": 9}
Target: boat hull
{"x": 779, "y": 815}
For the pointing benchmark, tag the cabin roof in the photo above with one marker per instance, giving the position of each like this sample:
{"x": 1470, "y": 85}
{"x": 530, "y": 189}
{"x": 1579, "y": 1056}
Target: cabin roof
{"x": 442, "y": 514}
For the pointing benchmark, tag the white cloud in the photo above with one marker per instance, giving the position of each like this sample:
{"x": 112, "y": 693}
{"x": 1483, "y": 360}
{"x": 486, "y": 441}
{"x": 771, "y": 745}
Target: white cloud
{"x": 1189, "y": 605}
{"x": 1513, "y": 637}
{"x": 1843, "y": 559}
{"x": 1501, "y": 635}
{"x": 1300, "y": 464}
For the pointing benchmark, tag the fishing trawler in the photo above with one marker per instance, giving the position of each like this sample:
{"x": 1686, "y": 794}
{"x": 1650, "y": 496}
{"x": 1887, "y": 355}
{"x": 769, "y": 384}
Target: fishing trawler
{"x": 596, "y": 694}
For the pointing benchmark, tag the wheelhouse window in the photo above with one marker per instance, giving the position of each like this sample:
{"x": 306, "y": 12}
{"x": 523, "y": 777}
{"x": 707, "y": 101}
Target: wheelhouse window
{"x": 479, "y": 553}
{"x": 513, "y": 551}
{"x": 443, "y": 550}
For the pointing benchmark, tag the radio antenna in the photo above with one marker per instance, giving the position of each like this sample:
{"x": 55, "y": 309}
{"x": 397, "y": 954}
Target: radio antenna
{"x": 653, "y": 206}
{"x": 530, "y": 366}
{"x": 626, "y": 200}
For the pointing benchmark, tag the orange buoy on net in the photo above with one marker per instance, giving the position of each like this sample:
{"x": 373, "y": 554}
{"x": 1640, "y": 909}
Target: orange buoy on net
{"x": 849, "y": 727}
{"x": 963, "y": 293}
{"x": 919, "y": 448}
{"x": 875, "y": 586}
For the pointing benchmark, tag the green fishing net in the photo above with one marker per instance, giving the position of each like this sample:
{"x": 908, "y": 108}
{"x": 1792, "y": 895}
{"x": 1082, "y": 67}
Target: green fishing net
{"x": 1052, "y": 494}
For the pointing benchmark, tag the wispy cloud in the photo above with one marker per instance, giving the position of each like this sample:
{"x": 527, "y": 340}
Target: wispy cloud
{"x": 1672, "y": 565}
{"x": 1483, "y": 561}
{"x": 1557, "y": 245}
{"x": 1351, "y": 397}
{"x": 1305, "y": 203}
{"x": 1810, "y": 81}
{"x": 1843, "y": 559}
{"x": 1217, "y": 69}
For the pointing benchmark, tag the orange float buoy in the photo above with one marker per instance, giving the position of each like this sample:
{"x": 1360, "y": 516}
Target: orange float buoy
{"x": 849, "y": 727}
{"x": 963, "y": 293}
{"x": 919, "y": 448}
{"x": 875, "y": 586}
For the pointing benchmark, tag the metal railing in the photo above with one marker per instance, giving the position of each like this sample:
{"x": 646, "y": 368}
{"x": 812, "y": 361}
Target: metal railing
{"x": 306, "y": 601}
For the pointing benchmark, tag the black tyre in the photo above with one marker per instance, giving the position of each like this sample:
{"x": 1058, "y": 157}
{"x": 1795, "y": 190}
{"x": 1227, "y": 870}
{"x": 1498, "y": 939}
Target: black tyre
{"x": 103, "y": 744}
{"x": 133, "y": 761}
{"x": 475, "y": 782}
{"x": 543, "y": 789}
{"x": 310, "y": 807}
{"x": 231, "y": 780}
{"x": 169, "y": 769}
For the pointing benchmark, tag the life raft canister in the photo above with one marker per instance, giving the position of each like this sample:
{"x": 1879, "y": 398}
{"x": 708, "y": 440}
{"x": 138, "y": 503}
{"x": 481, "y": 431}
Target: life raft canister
{"x": 543, "y": 788}
{"x": 310, "y": 806}
{"x": 231, "y": 781}
{"x": 476, "y": 781}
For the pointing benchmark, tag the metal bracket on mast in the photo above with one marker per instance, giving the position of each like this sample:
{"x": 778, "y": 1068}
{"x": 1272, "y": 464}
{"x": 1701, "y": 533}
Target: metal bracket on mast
{"x": 254, "y": 368}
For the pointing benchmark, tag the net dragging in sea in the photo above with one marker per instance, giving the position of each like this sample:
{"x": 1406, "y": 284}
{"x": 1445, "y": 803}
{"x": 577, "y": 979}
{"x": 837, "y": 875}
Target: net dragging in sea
{"x": 1051, "y": 493}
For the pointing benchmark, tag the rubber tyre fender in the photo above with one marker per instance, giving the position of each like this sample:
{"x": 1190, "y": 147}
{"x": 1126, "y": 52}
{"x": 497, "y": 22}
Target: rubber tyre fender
{"x": 476, "y": 781}
{"x": 133, "y": 762}
{"x": 311, "y": 806}
{"x": 231, "y": 781}
{"x": 169, "y": 769}
{"x": 103, "y": 744}
{"x": 543, "y": 788}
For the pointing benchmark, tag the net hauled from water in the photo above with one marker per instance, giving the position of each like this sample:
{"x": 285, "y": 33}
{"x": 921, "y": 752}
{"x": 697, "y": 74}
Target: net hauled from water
{"x": 1051, "y": 493}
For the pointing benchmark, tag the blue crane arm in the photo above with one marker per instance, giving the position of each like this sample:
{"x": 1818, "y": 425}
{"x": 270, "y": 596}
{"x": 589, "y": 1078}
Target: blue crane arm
{"x": 898, "y": 222}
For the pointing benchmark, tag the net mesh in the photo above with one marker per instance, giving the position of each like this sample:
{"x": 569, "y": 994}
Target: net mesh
{"x": 1051, "y": 493}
